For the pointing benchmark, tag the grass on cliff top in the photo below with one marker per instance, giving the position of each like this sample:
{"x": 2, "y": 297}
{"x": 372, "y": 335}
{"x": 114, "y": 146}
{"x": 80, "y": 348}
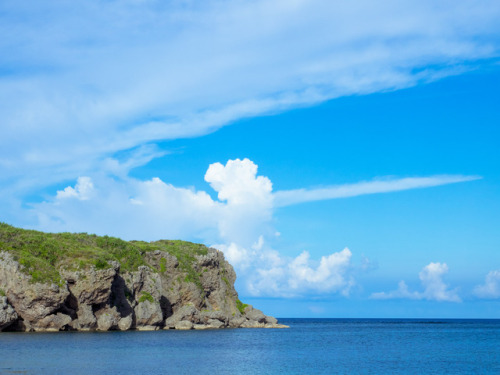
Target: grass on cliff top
{"x": 42, "y": 254}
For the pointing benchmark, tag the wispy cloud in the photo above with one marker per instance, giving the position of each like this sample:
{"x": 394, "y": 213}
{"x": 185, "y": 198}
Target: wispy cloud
{"x": 290, "y": 197}
{"x": 88, "y": 79}
{"x": 435, "y": 289}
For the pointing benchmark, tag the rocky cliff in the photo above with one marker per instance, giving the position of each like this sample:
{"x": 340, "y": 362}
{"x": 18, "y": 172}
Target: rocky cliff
{"x": 59, "y": 282}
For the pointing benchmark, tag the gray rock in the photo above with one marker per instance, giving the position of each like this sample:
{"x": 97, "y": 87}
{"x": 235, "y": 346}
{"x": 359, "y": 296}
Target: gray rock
{"x": 214, "y": 323}
{"x": 148, "y": 314}
{"x": 219, "y": 315}
{"x": 256, "y": 315}
{"x": 7, "y": 314}
{"x": 184, "y": 325}
{"x": 32, "y": 301}
{"x": 86, "y": 319}
{"x": 92, "y": 287}
{"x": 125, "y": 323}
{"x": 144, "y": 281}
{"x": 184, "y": 313}
{"x": 107, "y": 319}
{"x": 271, "y": 320}
{"x": 252, "y": 324}
{"x": 55, "y": 322}
{"x": 201, "y": 326}
{"x": 147, "y": 328}
{"x": 237, "y": 322}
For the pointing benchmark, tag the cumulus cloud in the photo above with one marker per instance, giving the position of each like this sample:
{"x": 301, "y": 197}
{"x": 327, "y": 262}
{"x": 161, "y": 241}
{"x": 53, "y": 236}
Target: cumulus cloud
{"x": 329, "y": 275}
{"x": 117, "y": 75}
{"x": 435, "y": 289}
{"x": 277, "y": 275}
{"x": 82, "y": 190}
{"x": 491, "y": 286}
{"x": 238, "y": 184}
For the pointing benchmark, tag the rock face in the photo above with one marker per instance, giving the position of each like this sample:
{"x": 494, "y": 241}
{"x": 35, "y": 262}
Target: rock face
{"x": 7, "y": 314}
{"x": 159, "y": 295}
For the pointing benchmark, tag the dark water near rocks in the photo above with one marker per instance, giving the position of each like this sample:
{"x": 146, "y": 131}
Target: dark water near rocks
{"x": 310, "y": 346}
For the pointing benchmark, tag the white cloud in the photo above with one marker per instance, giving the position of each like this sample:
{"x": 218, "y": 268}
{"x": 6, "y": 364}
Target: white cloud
{"x": 238, "y": 184}
{"x": 82, "y": 190}
{"x": 434, "y": 287}
{"x": 236, "y": 255}
{"x": 401, "y": 292}
{"x": 290, "y": 197}
{"x": 328, "y": 276}
{"x": 130, "y": 209}
{"x": 275, "y": 275}
{"x": 117, "y": 75}
{"x": 491, "y": 286}
{"x": 153, "y": 209}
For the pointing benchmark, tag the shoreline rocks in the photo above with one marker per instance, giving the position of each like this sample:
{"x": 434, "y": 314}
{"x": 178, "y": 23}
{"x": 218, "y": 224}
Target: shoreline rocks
{"x": 161, "y": 295}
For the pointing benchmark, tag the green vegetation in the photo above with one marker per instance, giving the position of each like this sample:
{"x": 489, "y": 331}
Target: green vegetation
{"x": 101, "y": 264}
{"x": 146, "y": 297}
{"x": 241, "y": 306}
{"x": 43, "y": 254}
{"x": 163, "y": 265}
{"x": 2, "y": 293}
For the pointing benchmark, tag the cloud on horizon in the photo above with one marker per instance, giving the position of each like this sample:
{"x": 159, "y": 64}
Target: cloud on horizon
{"x": 435, "y": 289}
{"x": 491, "y": 287}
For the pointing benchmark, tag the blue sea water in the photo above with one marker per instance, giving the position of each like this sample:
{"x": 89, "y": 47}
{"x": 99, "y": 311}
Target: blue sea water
{"x": 310, "y": 346}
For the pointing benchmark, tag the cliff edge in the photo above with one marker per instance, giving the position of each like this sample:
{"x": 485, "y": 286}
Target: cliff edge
{"x": 82, "y": 282}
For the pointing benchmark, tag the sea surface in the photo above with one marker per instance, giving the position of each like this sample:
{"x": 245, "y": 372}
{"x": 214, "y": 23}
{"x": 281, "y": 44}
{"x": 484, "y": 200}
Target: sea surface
{"x": 310, "y": 346}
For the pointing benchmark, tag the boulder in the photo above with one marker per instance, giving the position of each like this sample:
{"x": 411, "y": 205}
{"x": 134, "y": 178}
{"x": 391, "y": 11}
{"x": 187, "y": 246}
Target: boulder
{"x": 186, "y": 312}
{"x": 52, "y": 323}
{"x": 219, "y": 315}
{"x": 214, "y": 323}
{"x": 86, "y": 320}
{"x": 237, "y": 322}
{"x": 271, "y": 320}
{"x": 256, "y": 315}
{"x": 125, "y": 323}
{"x": 148, "y": 313}
{"x": 107, "y": 319}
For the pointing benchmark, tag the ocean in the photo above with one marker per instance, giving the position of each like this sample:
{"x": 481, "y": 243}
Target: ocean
{"x": 310, "y": 346}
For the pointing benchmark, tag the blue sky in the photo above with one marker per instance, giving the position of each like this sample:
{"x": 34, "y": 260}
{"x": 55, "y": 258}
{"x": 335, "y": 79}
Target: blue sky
{"x": 344, "y": 157}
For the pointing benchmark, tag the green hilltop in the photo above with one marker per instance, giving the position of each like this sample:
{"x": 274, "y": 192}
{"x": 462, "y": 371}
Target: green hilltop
{"x": 43, "y": 254}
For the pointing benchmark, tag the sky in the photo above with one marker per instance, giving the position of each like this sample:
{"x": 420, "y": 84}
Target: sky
{"x": 344, "y": 156}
